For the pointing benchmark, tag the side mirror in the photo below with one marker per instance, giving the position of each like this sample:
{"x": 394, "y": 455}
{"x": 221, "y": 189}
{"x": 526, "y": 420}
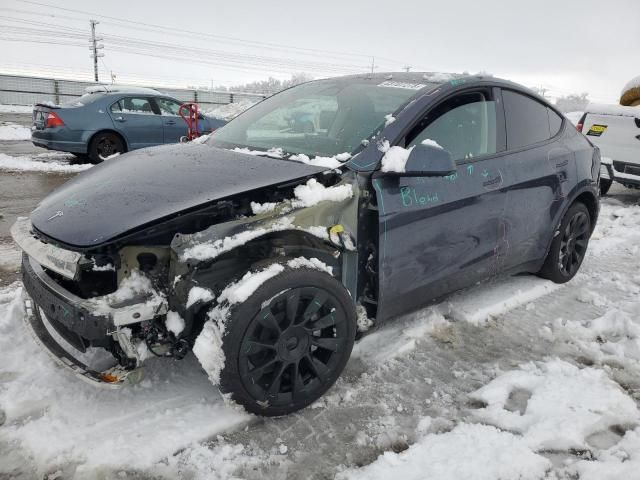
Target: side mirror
{"x": 429, "y": 161}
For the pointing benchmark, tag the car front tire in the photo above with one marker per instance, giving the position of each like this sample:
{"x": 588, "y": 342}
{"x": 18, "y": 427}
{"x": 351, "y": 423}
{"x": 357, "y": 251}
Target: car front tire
{"x": 569, "y": 246}
{"x": 288, "y": 343}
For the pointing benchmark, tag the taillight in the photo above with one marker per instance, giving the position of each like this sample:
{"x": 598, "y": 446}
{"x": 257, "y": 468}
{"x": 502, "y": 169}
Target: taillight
{"x": 53, "y": 120}
{"x": 579, "y": 127}
{"x": 580, "y": 123}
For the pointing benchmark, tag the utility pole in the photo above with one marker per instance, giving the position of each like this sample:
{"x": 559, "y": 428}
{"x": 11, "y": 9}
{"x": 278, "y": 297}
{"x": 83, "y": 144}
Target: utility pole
{"x": 373, "y": 64}
{"x": 95, "y": 47}
{"x": 407, "y": 68}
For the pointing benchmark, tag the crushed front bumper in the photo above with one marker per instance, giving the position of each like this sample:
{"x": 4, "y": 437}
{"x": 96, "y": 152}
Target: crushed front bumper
{"x": 41, "y": 330}
{"x": 53, "y": 313}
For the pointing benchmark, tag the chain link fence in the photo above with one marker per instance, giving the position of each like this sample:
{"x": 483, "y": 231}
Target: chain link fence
{"x": 24, "y": 90}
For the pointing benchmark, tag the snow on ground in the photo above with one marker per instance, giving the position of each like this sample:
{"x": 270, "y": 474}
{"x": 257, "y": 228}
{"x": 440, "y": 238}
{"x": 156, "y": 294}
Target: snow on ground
{"x": 50, "y": 162}
{"x": 16, "y": 109}
{"x": 548, "y": 388}
{"x": 12, "y": 131}
{"x": 477, "y": 452}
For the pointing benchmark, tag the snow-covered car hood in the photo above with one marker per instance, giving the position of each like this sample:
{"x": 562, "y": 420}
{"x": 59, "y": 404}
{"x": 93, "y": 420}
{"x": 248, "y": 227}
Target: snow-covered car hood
{"x": 145, "y": 186}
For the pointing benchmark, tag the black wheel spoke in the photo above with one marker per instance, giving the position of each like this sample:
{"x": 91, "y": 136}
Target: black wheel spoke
{"x": 267, "y": 320}
{"x": 250, "y": 347}
{"x": 276, "y": 381}
{"x": 315, "y": 304}
{"x": 320, "y": 370}
{"x": 324, "y": 322}
{"x": 326, "y": 343}
{"x": 258, "y": 371}
{"x": 297, "y": 384}
{"x": 293, "y": 300}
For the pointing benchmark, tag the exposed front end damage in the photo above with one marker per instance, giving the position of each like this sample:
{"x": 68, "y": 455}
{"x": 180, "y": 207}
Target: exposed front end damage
{"x": 133, "y": 300}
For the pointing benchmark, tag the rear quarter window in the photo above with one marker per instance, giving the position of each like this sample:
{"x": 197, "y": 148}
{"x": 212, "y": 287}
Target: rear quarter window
{"x": 527, "y": 120}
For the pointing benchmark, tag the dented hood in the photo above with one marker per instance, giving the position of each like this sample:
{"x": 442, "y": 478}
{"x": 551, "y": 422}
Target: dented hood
{"x": 145, "y": 186}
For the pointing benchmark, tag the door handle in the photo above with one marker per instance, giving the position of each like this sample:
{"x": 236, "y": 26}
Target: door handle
{"x": 120, "y": 119}
{"x": 170, "y": 122}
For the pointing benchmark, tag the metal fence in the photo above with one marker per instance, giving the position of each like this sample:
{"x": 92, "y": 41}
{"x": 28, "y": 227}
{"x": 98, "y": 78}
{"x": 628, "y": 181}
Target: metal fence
{"x": 23, "y": 90}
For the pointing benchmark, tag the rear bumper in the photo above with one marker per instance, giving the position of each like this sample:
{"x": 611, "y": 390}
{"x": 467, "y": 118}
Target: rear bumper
{"x": 620, "y": 172}
{"x": 52, "y": 141}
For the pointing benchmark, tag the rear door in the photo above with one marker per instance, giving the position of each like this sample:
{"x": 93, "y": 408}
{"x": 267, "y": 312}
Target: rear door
{"x": 138, "y": 120}
{"x": 440, "y": 234}
{"x": 173, "y": 126}
{"x": 539, "y": 173}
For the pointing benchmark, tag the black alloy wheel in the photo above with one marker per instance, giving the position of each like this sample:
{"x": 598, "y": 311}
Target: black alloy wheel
{"x": 292, "y": 346}
{"x": 573, "y": 245}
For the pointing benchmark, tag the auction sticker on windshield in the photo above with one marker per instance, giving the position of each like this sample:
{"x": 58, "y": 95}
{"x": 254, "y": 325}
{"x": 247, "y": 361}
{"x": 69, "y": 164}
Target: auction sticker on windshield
{"x": 596, "y": 130}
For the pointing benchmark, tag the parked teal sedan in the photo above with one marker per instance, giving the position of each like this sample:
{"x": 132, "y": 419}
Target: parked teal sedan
{"x": 109, "y": 119}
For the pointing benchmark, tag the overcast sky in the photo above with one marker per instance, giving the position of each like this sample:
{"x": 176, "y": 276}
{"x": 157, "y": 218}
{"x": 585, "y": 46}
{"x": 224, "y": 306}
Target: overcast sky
{"x": 566, "y": 46}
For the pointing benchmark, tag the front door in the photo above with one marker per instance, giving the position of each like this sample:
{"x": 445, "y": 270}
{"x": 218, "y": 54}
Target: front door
{"x": 136, "y": 120}
{"x": 439, "y": 234}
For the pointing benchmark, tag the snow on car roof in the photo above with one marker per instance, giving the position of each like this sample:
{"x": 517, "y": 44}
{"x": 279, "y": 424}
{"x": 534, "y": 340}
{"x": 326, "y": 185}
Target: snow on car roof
{"x": 121, "y": 89}
{"x": 604, "y": 109}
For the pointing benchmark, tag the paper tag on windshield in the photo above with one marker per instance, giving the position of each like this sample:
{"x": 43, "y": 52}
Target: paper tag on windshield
{"x": 410, "y": 86}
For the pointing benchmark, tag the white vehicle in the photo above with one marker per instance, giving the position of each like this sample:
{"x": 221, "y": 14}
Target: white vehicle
{"x": 616, "y": 131}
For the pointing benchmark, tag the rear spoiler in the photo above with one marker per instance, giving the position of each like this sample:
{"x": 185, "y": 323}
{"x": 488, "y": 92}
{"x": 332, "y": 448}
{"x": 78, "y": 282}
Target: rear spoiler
{"x": 47, "y": 105}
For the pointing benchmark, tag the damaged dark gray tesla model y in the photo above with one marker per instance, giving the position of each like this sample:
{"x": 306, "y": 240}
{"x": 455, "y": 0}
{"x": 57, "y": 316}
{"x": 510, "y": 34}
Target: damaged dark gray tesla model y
{"x": 266, "y": 247}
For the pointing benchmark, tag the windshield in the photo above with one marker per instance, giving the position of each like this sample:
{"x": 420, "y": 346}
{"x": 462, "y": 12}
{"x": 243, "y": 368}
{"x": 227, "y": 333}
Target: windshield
{"x": 324, "y": 118}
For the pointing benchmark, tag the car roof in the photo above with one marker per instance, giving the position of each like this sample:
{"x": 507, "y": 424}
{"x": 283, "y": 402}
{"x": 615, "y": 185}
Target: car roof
{"x": 122, "y": 89}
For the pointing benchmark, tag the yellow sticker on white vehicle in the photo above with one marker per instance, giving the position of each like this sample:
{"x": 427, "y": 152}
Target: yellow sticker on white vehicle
{"x": 597, "y": 130}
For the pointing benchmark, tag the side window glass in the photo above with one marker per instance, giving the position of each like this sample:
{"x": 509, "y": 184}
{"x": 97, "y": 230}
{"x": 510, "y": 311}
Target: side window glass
{"x": 527, "y": 120}
{"x": 168, "y": 107}
{"x": 464, "y": 125}
{"x": 555, "y": 122}
{"x": 116, "y": 107}
{"x": 137, "y": 105}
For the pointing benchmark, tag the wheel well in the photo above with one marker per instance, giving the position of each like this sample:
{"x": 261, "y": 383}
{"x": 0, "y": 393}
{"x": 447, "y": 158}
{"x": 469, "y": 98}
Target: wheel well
{"x": 591, "y": 202}
{"x": 106, "y": 130}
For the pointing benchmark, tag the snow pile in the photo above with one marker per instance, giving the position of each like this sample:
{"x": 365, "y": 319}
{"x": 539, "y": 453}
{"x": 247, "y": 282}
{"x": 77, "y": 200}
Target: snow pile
{"x": 208, "y": 346}
{"x": 560, "y": 405}
{"x": 260, "y": 208}
{"x": 206, "y": 250}
{"x": 199, "y": 294}
{"x": 616, "y": 225}
{"x": 230, "y": 110}
{"x": 438, "y": 77}
{"x": 96, "y": 429}
{"x": 613, "y": 338}
{"x": 12, "y": 131}
{"x": 619, "y": 110}
{"x": 621, "y": 461}
{"x": 402, "y": 337}
{"x": 314, "y": 192}
{"x": 52, "y": 163}
{"x": 275, "y": 152}
{"x": 395, "y": 158}
{"x": 389, "y": 119}
{"x": 496, "y": 298}
{"x": 477, "y": 452}
{"x": 633, "y": 83}
{"x": 174, "y": 323}
{"x": 328, "y": 162}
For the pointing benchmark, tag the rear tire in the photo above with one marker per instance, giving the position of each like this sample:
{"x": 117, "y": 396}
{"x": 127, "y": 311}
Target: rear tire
{"x": 605, "y": 185}
{"x": 104, "y": 145}
{"x": 569, "y": 246}
{"x": 287, "y": 344}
